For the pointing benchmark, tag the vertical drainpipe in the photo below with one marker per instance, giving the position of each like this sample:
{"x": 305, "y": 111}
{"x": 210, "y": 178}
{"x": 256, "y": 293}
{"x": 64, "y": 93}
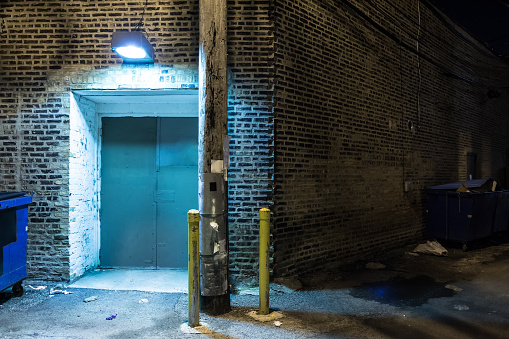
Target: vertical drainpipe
{"x": 213, "y": 88}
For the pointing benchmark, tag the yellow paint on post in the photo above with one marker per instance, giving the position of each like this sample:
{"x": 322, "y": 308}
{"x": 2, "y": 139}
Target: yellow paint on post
{"x": 264, "y": 261}
{"x": 193, "y": 266}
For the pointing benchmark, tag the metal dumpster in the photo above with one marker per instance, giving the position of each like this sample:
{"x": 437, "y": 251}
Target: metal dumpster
{"x": 501, "y": 222}
{"x": 464, "y": 216}
{"x": 13, "y": 239}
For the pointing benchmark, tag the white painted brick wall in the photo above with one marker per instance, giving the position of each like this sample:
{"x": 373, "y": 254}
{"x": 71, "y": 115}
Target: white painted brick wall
{"x": 83, "y": 187}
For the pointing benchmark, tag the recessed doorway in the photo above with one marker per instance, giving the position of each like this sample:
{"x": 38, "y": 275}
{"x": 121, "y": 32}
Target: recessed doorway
{"x": 155, "y": 134}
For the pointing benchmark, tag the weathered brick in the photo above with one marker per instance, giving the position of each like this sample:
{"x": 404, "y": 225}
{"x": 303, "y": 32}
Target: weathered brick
{"x": 344, "y": 92}
{"x": 318, "y": 107}
{"x": 67, "y": 46}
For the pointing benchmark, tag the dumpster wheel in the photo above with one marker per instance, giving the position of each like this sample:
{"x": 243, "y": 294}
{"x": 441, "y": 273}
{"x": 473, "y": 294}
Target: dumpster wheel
{"x": 17, "y": 289}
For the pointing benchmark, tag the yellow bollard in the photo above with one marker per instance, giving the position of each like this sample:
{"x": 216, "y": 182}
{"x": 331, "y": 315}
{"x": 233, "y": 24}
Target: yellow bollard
{"x": 193, "y": 267}
{"x": 264, "y": 261}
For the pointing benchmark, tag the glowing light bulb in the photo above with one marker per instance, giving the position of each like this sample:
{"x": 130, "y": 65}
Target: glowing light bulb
{"x": 132, "y": 52}
{"x": 133, "y": 47}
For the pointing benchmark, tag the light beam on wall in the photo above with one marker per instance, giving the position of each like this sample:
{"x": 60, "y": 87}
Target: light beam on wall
{"x": 133, "y": 47}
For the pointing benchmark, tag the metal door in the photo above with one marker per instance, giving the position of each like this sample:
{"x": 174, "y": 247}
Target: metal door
{"x": 148, "y": 182}
{"x": 177, "y": 187}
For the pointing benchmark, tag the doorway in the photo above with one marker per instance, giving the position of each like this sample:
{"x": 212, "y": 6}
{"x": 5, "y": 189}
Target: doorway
{"x": 149, "y": 174}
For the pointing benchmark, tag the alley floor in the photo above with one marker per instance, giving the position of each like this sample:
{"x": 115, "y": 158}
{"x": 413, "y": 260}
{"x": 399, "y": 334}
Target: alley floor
{"x": 400, "y": 295}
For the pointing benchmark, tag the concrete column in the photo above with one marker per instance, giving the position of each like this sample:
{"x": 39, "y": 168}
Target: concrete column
{"x": 213, "y": 87}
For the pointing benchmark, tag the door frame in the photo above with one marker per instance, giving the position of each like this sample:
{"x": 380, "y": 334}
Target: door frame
{"x": 135, "y": 103}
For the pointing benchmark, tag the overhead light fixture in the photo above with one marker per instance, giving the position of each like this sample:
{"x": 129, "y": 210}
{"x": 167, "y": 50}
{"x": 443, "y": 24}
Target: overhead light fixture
{"x": 133, "y": 47}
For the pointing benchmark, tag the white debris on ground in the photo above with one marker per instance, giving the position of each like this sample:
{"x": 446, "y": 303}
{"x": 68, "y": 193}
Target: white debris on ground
{"x": 54, "y": 291}
{"x": 89, "y": 299}
{"x": 431, "y": 247}
{"x": 202, "y": 328}
{"x": 461, "y": 307}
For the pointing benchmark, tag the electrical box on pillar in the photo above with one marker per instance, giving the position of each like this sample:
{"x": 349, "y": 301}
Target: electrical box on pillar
{"x": 213, "y": 238}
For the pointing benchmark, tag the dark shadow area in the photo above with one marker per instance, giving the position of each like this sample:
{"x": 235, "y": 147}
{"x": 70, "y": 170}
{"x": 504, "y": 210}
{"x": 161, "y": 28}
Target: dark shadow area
{"x": 6, "y": 296}
{"x": 457, "y": 265}
{"x": 399, "y": 291}
{"x": 434, "y": 325}
{"x": 438, "y": 326}
{"x": 498, "y": 238}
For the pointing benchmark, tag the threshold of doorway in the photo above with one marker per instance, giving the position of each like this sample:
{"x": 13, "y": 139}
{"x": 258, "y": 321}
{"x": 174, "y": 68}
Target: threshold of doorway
{"x": 161, "y": 280}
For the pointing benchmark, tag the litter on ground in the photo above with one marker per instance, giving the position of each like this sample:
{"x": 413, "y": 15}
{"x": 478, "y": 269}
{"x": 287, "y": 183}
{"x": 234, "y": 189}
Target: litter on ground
{"x": 89, "y": 299}
{"x": 112, "y": 316}
{"x": 431, "y": 247}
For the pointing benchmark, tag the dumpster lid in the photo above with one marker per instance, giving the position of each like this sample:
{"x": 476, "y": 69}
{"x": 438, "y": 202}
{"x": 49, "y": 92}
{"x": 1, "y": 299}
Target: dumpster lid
{"x": 478, "y": 183}
{"x": 11, "y": 195}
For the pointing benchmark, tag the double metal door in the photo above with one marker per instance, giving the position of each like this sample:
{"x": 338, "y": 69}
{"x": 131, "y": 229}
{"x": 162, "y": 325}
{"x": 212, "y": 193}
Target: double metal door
{"x": 149, "y": 180}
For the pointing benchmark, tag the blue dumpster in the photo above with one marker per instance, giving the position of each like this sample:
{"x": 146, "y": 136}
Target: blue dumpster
{"x": 460, "y": 217}
{"x": 501, "y": 222}
{"x": 465, "y": 216}
{"x": 13, "y": 239}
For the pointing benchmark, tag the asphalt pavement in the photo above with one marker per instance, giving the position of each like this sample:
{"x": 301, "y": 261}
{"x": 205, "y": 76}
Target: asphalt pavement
{"x": 400, "y": 295}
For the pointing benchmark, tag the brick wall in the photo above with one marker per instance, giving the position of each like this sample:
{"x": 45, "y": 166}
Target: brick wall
{"x": 83, "y": 186}
{"x": 49, "y": 48}
{"x": 250, "y": 95}
{"x": 340, "y": 90}
{"x": 345, "y": 91}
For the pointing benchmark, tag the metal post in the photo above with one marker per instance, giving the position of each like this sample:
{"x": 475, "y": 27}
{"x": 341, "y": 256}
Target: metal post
{"x": 193, "y": 266}
{"x": 264, "y": 261}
